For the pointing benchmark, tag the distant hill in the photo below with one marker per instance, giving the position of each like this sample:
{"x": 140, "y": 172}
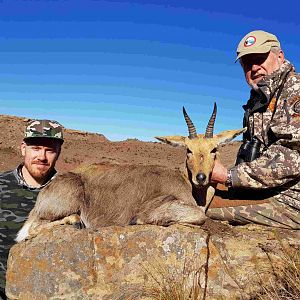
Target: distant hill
{"x": 85, "y": 148}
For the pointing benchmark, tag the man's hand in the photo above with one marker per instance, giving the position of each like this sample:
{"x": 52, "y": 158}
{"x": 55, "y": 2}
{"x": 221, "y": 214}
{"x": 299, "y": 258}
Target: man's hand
{"x": 219, "y": 173}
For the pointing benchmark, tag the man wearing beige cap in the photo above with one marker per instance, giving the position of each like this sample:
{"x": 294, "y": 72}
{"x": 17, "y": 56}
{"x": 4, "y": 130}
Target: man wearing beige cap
{"x": 19, "y": 188}
{"x": 264, "y": 185}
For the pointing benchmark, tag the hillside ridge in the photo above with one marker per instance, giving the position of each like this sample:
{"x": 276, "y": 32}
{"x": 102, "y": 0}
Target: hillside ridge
{"x": 83, "y": 147}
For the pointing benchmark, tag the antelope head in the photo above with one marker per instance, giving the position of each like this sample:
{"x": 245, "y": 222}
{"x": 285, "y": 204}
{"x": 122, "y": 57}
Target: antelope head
{"x": 201, "y": 148}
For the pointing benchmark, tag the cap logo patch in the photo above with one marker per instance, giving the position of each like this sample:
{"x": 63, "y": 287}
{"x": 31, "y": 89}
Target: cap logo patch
{"x": 297, "y": 107}
{"x": 250, "y": 40}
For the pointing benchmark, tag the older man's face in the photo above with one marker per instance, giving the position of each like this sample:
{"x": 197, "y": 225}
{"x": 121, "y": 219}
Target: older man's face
{"x": 40, "y": 156}
{"x": 258, "y": 65}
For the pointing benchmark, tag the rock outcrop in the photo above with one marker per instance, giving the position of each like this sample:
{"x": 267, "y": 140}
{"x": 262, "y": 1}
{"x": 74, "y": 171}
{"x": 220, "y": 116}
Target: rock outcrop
{"x": 135, "y": 262}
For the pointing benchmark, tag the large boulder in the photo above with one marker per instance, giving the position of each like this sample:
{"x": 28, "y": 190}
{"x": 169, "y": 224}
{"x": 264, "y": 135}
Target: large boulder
{"x": 137, "y": 262}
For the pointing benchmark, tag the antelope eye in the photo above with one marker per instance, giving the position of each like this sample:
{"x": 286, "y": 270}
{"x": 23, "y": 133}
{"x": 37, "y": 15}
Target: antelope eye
{"x": 213, "y": 150}
{"x": 188, "y": 151}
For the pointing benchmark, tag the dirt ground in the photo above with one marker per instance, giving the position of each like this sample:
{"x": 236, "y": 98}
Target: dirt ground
{"x": 86, "y": 148}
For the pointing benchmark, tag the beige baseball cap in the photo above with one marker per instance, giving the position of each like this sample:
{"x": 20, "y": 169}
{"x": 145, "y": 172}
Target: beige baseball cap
{"x": 257, "y": 41}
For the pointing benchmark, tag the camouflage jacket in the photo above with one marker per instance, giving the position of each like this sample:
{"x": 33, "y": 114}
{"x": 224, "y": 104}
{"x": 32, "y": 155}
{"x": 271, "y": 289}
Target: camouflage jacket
{"x": 16, "y": 201}
{"x": 276, "y": 123}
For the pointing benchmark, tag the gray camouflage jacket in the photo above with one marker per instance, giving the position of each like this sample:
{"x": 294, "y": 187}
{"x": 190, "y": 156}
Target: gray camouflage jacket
{"x": 276, "y": 123}
{"x": 16, "y": 201}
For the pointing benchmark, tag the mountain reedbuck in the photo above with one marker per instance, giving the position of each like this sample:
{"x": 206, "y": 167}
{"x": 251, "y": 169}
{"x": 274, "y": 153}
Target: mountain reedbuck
{"x": 105, "y": 195}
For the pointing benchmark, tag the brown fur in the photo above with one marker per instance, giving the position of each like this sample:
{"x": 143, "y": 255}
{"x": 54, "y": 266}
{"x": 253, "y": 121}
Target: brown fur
{"x": 106, "y": 195}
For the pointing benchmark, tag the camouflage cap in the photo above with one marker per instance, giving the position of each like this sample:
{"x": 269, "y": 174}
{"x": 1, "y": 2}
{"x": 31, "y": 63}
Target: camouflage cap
{"x": 45, "y": 129}
{"x": 257, "y": 41}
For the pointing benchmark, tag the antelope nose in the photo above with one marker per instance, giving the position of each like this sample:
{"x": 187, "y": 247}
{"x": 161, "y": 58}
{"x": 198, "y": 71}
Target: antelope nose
{"x": 201, "y": 178}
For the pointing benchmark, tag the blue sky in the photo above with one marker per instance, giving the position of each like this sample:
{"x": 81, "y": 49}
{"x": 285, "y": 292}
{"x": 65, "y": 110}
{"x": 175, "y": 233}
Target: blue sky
{"x": 126, "y": 68}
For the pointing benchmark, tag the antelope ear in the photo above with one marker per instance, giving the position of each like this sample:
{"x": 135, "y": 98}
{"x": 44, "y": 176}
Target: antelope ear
{"x": 175, "y": 140}
{"x": 228, "y": 135}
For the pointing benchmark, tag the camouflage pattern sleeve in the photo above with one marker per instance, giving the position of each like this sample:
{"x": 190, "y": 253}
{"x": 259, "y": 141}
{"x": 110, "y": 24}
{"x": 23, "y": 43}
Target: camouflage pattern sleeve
{"x": 16, "y": 201}
{"x": 277, "y": 166}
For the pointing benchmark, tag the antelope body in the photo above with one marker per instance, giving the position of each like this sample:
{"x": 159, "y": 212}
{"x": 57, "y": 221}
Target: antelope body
{"x": 106, "y": 194}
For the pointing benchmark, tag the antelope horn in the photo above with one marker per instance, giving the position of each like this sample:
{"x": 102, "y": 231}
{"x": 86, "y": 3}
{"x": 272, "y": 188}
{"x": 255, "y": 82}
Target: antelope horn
{"x": 210, "y": 126}
{"x": 190, "y": 125}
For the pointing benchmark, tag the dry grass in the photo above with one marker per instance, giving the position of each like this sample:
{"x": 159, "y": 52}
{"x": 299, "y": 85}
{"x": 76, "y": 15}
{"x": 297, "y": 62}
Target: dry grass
{"x": 189, "y": 283}
{"x": 285, "y": 282}
{"x": 177, "y": 285}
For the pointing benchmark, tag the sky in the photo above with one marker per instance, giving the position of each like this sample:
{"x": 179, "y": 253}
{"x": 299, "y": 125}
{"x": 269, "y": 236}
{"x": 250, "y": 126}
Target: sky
{"x": 125, "y": 68}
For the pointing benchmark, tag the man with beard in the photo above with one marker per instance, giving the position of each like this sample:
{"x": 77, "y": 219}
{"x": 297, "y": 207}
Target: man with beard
{"x": 19, "y": 188}
{"x": 264, "y": 185}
